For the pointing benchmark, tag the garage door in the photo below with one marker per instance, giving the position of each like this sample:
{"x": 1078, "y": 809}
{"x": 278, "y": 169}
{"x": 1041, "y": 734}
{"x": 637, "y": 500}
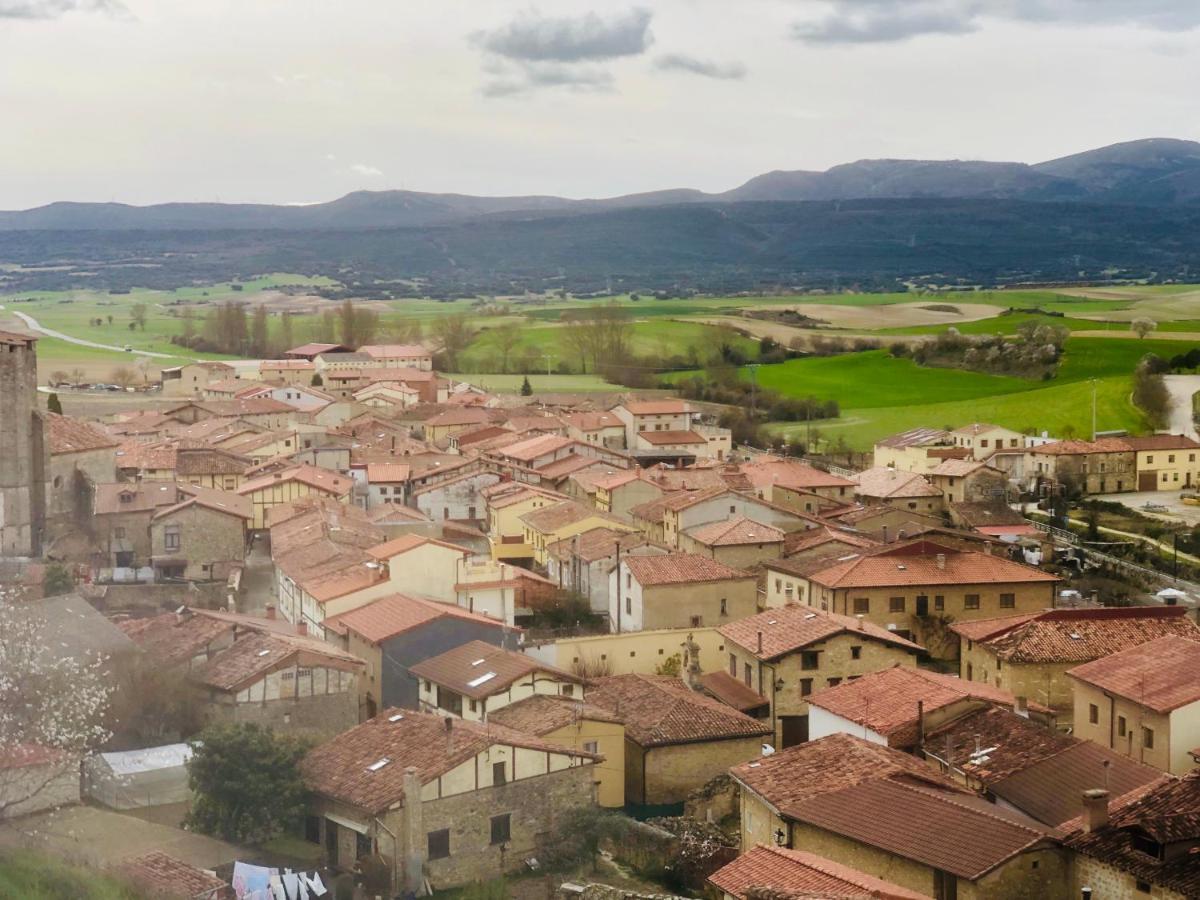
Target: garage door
{"x": 1147, "y": 481}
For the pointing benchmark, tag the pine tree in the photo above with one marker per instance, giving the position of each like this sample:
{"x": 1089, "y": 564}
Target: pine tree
{"x": 53, "y": 404}
{"x": 526, "y": 387}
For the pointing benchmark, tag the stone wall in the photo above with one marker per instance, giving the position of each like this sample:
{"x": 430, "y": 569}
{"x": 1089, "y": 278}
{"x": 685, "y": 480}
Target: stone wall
{"x": 674, "y": 771}
{"x": 160, "y": 596}
{"x": 24, "y": 452}
{"x": 320, "y": 717}
{"x": 1107, "y": 881}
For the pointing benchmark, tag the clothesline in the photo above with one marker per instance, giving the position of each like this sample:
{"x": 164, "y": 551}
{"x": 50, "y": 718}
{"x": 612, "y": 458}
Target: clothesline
{"x": 252, "y": 882}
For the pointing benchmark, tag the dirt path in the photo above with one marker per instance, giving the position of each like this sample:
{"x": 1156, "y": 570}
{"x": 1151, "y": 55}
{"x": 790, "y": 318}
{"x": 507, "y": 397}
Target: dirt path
{"x": 32, "y": 324}
{"x": 761, "y": 328}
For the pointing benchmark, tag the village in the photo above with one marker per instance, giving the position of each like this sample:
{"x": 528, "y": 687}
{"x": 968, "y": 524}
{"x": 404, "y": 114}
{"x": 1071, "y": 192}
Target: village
{"x": 535, "y": 639}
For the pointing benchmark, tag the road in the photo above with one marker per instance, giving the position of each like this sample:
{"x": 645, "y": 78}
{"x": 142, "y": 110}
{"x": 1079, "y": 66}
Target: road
{"x": 1181, "y": 388}
{"x": 32, "y": 324}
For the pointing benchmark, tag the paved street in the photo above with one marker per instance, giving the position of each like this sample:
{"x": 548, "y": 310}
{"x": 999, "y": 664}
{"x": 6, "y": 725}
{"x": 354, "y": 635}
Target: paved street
{"x": 1182, "y": 387}
{"x": 1176, "y": 511}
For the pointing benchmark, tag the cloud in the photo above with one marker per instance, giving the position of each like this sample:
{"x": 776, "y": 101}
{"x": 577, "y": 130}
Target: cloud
{"x": 521, "y": 79}
{"x": 52, "y": 9}
{"x": 532, "y": 37}
{"x": 882, "y": 21}
{"x": 365, "y": 170}
{"x": 680, "y": 62}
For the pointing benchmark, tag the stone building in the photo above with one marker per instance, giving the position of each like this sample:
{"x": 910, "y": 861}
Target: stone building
{"x": 24, "y": 449}
{"x": 81, "y": 456}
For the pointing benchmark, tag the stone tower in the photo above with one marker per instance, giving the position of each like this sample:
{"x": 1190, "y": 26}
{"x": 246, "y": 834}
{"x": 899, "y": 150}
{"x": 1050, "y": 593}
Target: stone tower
{"x": 24, "y": 454}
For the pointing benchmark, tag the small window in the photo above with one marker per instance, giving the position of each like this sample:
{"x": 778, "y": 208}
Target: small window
{"x": 474, "y": 706}
{"x": 862, "y": 605}
{"x": 591, "y": 746}
{"x": 805, "y": 686}
{"x": 501, "y": 829}
{"x": 834, "y": 682}
{"x": 1093, "y": 713}
{"x": 1122, "y": 727}
{"x": 629, "y": 606}
{"x": 696, "y": 621}
{"x": 119, "y": 532}
{"x": 939, "y": 601}
{"x": 439, "y": 843}
{"x": 733, "y": 665}
{"x": 724, "y": 607}
{"x": 809, "y": 659}
{"x": 856, "y": 652}
{"x": 498, "y": 776}
{"x": 1008, "y": 601}
{"x": 568, "y": 690}
{"x": 747, "y": 674}
{"x": 896, "y": 604}
{"x": 1148, "y": 738}
{"x": 171, "y": 537}
{"x": 971, "y": 601}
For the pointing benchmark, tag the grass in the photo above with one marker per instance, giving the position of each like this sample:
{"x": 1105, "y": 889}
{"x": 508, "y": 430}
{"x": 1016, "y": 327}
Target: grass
{"x": 33, "y": 876}
{"x": 1102, "y": 357}
{"x": 564, "y": 384}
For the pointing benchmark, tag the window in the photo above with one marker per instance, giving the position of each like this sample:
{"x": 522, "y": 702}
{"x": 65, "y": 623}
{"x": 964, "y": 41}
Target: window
{"x": 501, "y": 833}
{"x": 1008, "y": 601}
{"x": 474, "y": 706}
{"x": 1148, "y": 738}
{"x": 1093, "y": 713}
{"x": 628, "y": 580}
{"x": 1121, "y": 726}
{"x": 1171, "y": 458}
{"x": 862, "y": 605}
{"x": 1143, "y": 887}
{"x": 591, "y": 746}
{"x": 747, "y": 674}
{"x": 834, "y": 682}
{"x": 171, "y": 537}
{"x": 498, "y": 776}
{"x": 896, "y": 604}
{"x": 724, "y": 607}
{"x": 983, "y": 442}
{"x": 1149, "y": 459}
{"x": 449, "y": 701}
{"x": 629, "y": 606}
{"x": 568, "y": 690}
{"x": 805, "y": 687}
{"x": 695, "y": 621}
{"x": 733, "y": 665}
{"x": 119, "y": 532}
{"x": 732, "y": 509}
{"x": 856, "y": 652}
{"x": 778, "y": 585}
{"x": 971, "y": 601}
{"x": 939, "y": 601}
{"x": 438, "y": 843}
{"x": 809, "y": 659}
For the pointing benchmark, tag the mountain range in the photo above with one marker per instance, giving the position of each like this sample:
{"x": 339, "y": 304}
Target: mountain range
{"x": 1154, "y": 172}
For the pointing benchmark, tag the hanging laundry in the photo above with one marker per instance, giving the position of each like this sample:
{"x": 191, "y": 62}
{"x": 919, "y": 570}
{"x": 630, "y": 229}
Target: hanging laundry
{"x": 316, "y": 884}
{"x": 248, "y": 879}
{"x": 277, "y": 891}
{"x": 291, "y": 884}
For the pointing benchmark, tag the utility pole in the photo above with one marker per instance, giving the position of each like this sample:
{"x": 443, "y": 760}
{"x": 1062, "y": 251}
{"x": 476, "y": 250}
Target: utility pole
{"x": 1093, "y": 409}
{"x": 754, "y": 390}
{"x": 546, "y": 357}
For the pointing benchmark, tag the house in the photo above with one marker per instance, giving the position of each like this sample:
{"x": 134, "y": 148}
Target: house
{"x": 968, "y": 481}
{"x": 386, "y": 483}
{"x": 310, "y": 352}
{"x": 1023, "y": 765}
{"x": 122, "y": 513}
{"x": 685, "y": 446}
{"x": 507, "y": 503}
{"x": 1143, "y": 702}
{"x": 81, "y": 455}
{"x": 300, "y": 396}
{"x": 159, "y": 875}
{"x": 884, "y": 523}
{"x": 383, "y": 394}
{"x": 211, "y": 467}
{"x": 620, "y": 492}
{"x": 642, "y": 416}
{"x": 897, "y": 705}
{"x": 678, "y": 590}
{"x": 1140, "y": 844}
{"x": 899, "y": 586}
{"x": 459, "y": 499}
{"x": 582, "y": 562}
{"x": 786, "y": 654}
{"x": 394, "y": 633}
{"x": 202, "y": 537}
{"x": 1165, "y": 462}
{"x": 475, "y": 679}
{"x": 793, "y": 485}
{"x": 795, "y": 873}
{"x": 738, "y": 541}
{"x": 260, "y": 411}
{"x": 984, "y": 440}
{"x": 447, "y": 800}
{"x": 190, "y": 380}
{"x": 442, "y": 425}
{"x": 909, "y": 491}
{"x": 1103, "y": 466}
{"x": 602, "y": 428}
{"x": 808, "y": 552}
{"x": 1029, "y": 655}
{"x": 543, "y": 449}
{"x": 422, "y": 565}
{"x": 675, "y": 738}
{"x": 885, "y": 812}
{"x": 576, "y": 725}
{"x": 686, "y": 509}
{"x": 293, "y": 483}
{"x": 413, "y": 356}
{"x": 560, "y": 521}
{"x": 917, "y": 450}
{"x": 502, "y": 591}
{"x": 287, "y": 371}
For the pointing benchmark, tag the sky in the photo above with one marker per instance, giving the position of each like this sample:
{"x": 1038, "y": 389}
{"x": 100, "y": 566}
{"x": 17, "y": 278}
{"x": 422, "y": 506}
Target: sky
{"x": 298, "y": 101}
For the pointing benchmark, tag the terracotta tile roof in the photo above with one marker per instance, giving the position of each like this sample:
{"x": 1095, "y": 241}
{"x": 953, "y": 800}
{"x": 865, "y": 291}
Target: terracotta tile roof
{"x": 543, "y": 713}
{"x": 982, "y": 629}
{"x": 789, "y": 628}
{"x": 321, "y": 479}
{"x": 209, "y": 461}
{"x": 1167, "y": 812}
{"x": 249, "y": 407}
{"x": 790, "y": 871}
{"x": 549, "y": 519}
{"x": 1076, "y": 448}
{"x": 478, "y": 669}
{"x": 155, "y": 874}
{"x": 960, "y": 468}
{"x": 916, "y": 437}
{"x": 1162, "y": 675}
{"x": 396, "y": 351}
{"x": 987, "y": 514}
{"x": 12, "y": 339}
{"x": 1081, "y": 635}
{"x": 1161, "y": 442}
{"x": 509, "y": 493}
{"x": 992, "y": 743}
{"x": 169, "y": 639}
{"x": 722, "y": 686}
{"x": 680, "y": 568}
{"x": 67, "y": 435}
{"x": 570, "y": 464}
{"x": 918, "y": 565}
{"x": 660, "y": 710}
{"x": 128, "y": 497}
{"x": 210, "y": 498}
{"x": 977, "y": 428}
{"x": 800, "y": 541}
{"x": 314, "y": 349}
{"x": 396, "y": 614}
{"x": 593, "y": 421}
{"x": 656, "y": 407}
{"x": 596, "y": 544}
{"x": 531, "y": 448}
{"x": 143, "y": 456}
{"x": 672, "y": 437}
{"x": 791, "y": 474}
{"x": 409, "y": 542}
{"x": 460, "y": 416}
{"x": 390, "y": 473}
{"x": 255, "y": 655}
{"x": 886, "y": 701}
{"x": 735, "y": 532}
{"x": 616, "y": 479}
{"x": 344, "y": 768}
{"x": 680, "y": 500}
{"x": 885, "y": 483}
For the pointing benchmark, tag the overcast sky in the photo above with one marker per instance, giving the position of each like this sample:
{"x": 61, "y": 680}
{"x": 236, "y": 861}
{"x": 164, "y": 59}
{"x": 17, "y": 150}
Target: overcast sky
{"x": 285, "y": 101}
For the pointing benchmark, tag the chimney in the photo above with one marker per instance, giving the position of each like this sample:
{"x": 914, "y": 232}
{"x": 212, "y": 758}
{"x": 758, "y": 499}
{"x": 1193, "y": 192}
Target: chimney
{"x": 884, "y": 534}
{"x": 1021, "y": 706}
{"x": 412, "y": 834}
{"x": 920, "y": 725}
{"x": 449, "y": 720}
{"x": 270, "y": 610}
{"x": 1095, "y": 810}
{"x": 302, "y": 628}
{"x": 941, "y": 560}
{"x": 861, "y": 624}
{"x": 760, "y": 643}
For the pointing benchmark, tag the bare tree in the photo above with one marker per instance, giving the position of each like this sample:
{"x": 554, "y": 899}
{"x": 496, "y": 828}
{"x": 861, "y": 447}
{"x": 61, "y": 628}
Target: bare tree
{"x": 123, "y": 376}
{"x": 454, "y": 334}
{"x": 77, "y": 375}
{"x": 52, "y": 705}
{"x": 138, "y": 313}
{"x": 1142, "y": 326}
{"x": 506, "y": 337}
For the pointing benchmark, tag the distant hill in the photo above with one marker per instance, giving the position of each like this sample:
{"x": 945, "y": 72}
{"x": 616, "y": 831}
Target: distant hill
{"x": 1157, "y": 172}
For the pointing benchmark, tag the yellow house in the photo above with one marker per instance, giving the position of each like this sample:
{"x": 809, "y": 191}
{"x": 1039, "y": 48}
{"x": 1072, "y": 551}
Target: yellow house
{"x": 1165, "y": 462}
{"x": 1143, "y": 702}
{"x": 291, "y": 484}
{"x": 576, "y": 725}
{"x": 917, "y": 450}
{"x": 562, "y": 520}
{"x": 507, "y": 502}
{"x": 796, "y": 871}
{"x": 421, "y": 565}
{"x": 785, "y": 654}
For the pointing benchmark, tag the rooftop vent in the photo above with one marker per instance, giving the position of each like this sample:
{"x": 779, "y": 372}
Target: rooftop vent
{"x": 396, "y": 718}
{"x": 378, "y": 764}
{"x": 264, "y": 652}
{"x": 482, "y": 679}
